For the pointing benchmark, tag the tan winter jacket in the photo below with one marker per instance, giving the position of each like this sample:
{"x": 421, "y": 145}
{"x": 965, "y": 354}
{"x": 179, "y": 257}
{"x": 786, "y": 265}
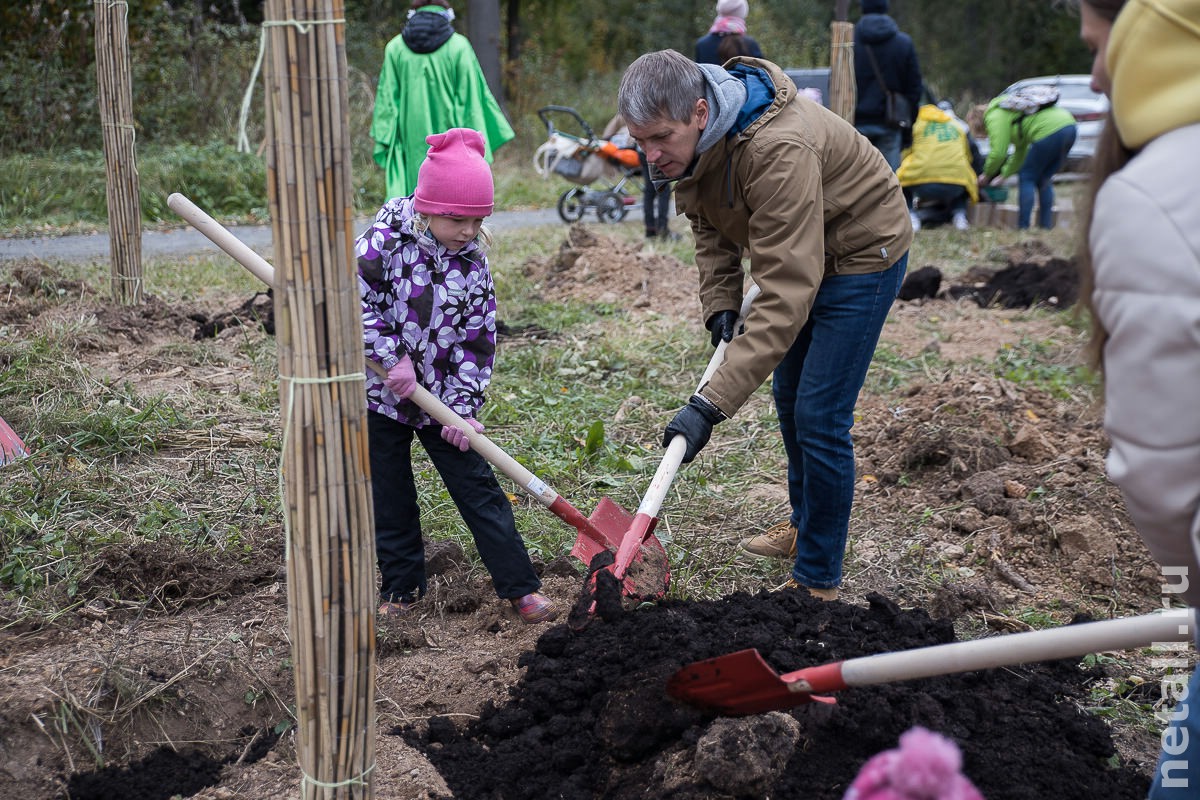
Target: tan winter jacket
{"x": 806, "y": 196}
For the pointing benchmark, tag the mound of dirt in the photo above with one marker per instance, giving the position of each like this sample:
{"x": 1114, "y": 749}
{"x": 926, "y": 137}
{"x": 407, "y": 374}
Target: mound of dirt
{"x": 1034, "y": 277}
{"x": 605, "y": 269}
{"x": 591, "y": 718}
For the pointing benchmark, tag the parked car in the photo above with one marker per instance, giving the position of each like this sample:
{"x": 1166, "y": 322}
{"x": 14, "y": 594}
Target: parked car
{"x": 812, "y": 81}
{"x": 1088, "y": 107}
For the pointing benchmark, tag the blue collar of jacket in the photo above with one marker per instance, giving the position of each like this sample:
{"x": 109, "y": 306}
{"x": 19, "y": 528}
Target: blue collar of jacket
{"x": 759, "y": 96}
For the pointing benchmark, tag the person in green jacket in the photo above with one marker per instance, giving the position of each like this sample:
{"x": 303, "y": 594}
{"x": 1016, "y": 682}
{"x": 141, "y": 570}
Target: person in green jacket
{"x": 1040, "y": 139}
{"x": 430, "y": 82}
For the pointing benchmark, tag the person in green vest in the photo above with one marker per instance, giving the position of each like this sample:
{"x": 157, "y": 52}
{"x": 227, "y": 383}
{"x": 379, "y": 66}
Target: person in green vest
{"x": 430, "y": 82}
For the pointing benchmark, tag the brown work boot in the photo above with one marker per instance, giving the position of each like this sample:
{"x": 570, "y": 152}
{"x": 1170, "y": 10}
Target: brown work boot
{"x": 779, "y": 541}
{"x": 820, "y": 594}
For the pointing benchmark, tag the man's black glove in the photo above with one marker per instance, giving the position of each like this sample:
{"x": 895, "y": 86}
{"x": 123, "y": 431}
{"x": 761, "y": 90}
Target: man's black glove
{"x": 695, "y": 423}
{"x": 722, "y": 325}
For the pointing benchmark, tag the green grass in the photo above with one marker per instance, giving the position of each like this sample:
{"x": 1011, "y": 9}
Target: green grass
{"x": 891, "y": 371}
{"x": 581, "y": 404}
{"x": 65, "y": 192}
{"x": 1047, "y": 366}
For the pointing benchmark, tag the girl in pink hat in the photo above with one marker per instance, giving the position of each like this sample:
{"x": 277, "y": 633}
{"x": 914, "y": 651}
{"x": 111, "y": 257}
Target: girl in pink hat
{"x": 429, "y": 317}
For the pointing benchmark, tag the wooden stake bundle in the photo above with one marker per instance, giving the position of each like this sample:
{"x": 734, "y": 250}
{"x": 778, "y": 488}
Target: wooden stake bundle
{"x": 115, "y": 94}
{"x": 331, "y": 550}
{"x": 843, "y": 91}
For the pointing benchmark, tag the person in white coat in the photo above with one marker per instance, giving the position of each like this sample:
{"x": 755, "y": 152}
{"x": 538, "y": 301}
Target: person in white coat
{"x": 1142, "y": 282}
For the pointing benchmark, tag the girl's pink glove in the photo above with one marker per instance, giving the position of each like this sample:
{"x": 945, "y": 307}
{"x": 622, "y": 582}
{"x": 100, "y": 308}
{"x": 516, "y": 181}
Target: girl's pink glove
{"x": 455, "y": 436}
{"x": 401, "y": 379}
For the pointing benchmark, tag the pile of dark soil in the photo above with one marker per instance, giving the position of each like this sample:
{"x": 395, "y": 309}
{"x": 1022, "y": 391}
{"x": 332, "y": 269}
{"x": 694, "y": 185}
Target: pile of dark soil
{"x": 1034, "y": 277}
{"x": 591, "y": 717}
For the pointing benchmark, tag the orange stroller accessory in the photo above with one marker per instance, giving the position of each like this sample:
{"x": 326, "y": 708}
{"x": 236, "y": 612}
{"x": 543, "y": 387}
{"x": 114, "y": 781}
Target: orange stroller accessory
{"x": 584, "y": 159}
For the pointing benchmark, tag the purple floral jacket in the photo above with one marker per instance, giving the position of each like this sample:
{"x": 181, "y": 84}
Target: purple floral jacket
{"x": 438, "y": 307}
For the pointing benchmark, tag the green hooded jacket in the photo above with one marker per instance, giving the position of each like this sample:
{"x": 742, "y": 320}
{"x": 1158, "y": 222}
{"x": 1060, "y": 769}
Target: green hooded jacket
{"x": 1005, "y": 127}
{"x": 424, "y": 93}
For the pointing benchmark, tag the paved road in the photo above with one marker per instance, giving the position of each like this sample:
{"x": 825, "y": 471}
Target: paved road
{"x": 188, "y": 241}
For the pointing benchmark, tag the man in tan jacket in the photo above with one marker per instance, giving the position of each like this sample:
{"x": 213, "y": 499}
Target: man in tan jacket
{"x": 760, "y": 170}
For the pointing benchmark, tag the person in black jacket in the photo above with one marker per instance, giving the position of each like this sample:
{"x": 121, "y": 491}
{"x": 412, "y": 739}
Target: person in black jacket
{"x": 878, "y": 41}
{"x": 728, "y": 28}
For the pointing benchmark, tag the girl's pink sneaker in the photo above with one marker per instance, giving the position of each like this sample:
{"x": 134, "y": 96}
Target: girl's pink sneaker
{"x": 535, "y": 608}
{"x": 396, "y": 609}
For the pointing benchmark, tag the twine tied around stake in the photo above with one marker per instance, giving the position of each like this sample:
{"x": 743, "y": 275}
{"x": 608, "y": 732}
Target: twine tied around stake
{"x": 306, "y": 780}
{"x": 287, "y": 432}
{"x": 303, "y": 27}
{"x": 132, "y": 129}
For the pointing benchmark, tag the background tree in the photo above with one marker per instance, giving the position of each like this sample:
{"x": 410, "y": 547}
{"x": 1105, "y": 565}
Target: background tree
{"x": 192, "y": 58}
{"x": 483, "y": 30}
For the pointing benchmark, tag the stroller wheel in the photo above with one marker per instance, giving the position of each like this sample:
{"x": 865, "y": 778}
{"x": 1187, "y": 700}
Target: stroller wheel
{"x": 570, "y": 205}
{"x": 611, "y": 207}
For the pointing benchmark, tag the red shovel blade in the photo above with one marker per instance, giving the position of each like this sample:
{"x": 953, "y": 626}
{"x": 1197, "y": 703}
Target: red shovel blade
{"x": 605, "y": 527}
{"x": 737, "y": 684}
{"x": 648, "y": 574}
{"x": 11, "y": 446}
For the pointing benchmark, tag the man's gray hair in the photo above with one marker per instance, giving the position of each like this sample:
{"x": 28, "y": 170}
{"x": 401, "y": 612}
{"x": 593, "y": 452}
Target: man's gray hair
{"x": 664, "y": 84}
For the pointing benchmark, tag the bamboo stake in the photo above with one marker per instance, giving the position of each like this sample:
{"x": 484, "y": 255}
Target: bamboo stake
{"x": 331, "y": 556}
{"x": 843, "y": 91}
{"x": 115, "y": 98}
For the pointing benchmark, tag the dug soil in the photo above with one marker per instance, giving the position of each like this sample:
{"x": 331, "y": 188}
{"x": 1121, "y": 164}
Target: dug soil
{"x": 168, "y": 674}
{"x": 590, "y": 717}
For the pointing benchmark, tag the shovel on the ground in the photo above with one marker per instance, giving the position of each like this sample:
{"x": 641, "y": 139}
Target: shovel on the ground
{"x": 601, "y": 532}
{"x": 11, "y": 446}
{"x": 743, "y": 683}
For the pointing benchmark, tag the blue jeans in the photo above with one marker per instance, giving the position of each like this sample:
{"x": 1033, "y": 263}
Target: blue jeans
{"x": 938, "y": 202}
{"x": 473, "y": 487}
{"x": 886, "y": 140}
{"x": 1177, "y": 774}
{"x": 816, "y": 387}
{"x": 1035, "y": 178}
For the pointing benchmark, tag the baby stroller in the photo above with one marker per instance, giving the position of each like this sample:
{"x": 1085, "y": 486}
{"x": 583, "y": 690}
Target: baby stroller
{"x": 583, "y": 158}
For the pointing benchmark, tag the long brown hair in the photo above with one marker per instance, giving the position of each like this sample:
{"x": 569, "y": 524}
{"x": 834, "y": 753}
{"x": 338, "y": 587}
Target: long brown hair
{"x": 1110, "y": 156}
{"x": 732, "y": 45}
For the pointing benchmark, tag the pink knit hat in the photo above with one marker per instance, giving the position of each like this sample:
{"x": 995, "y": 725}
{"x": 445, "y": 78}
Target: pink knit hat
{"x": 733, "y": 8}
{"x": 454, "y": 179}
{"x": 926, "y": 766}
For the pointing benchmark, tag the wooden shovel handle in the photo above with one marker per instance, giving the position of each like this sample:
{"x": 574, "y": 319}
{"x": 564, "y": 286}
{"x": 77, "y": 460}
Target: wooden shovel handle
{"x": 222, "y": 238}
{"x": 669, "y": 466}
{"x": 1067, "y": 641}
{"x": 431, "y": 405}
{"x": 434, "y": 407}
